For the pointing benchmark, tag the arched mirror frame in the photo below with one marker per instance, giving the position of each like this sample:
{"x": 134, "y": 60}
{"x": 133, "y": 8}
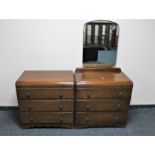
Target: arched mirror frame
{"x": 100, "y": 42}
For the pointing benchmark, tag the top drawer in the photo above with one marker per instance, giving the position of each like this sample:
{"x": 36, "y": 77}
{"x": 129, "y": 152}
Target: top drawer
{"x": 101, "y": 93}
{"x": 45, "y": 93}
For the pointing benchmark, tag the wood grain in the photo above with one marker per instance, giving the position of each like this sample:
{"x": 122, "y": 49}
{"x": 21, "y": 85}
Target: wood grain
{"x": 101, "y": 118}
{"x": 98, "y": 105}
{"x": 45, "y": 79}
{"x": 103, "y": 93}
{"x": 47, "y": 117}
{"x": 45, "y": 93}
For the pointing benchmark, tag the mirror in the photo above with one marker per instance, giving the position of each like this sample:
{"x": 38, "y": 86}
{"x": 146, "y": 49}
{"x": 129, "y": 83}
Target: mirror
{"x": 100, "y": 41}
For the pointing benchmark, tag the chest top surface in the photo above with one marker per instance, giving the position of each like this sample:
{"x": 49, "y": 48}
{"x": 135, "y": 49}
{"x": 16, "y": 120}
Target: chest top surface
{"x": 45, "y": 78}
{"x": 100, "y": 77}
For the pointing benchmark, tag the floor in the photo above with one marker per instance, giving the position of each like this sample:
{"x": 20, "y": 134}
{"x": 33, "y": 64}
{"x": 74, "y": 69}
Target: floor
{"x": 141, "y": 122}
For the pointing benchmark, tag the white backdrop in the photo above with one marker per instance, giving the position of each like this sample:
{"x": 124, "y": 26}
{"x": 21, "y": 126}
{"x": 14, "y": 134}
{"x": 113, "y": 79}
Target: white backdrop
{"x": 57, "y": 44}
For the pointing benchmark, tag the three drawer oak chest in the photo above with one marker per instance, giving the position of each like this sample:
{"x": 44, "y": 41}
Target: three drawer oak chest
{"x": 102, "y": 97}
{"x": 46, "y": 98}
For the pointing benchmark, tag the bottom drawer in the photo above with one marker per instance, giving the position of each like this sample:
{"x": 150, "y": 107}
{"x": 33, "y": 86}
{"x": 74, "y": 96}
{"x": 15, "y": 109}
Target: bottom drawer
{"x": 101, "y": 118}
{"x": 46, "y": 117}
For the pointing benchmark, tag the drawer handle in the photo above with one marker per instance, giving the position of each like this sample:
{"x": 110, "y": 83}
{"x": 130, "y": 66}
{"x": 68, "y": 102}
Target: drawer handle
{"x": 30, "y": 107}
{"x": 87, "y": 120}
{"x": 88, "y": 94}
{"x": 28, "y": 94}
{"x": 88, "y": 106}
{"x": 61, "y": 95}
{"x": 118, "y": 106}
{"x": 120, "y": 93}
{"x": 116, "y": 118}
{"x": 31, "y": 119}
{"x": 61, "y": 119}
{"x": 61, "y": 106}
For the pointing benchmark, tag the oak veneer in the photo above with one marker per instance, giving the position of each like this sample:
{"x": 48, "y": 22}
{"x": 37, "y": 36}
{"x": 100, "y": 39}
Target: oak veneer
{"x": 102, "y": 97}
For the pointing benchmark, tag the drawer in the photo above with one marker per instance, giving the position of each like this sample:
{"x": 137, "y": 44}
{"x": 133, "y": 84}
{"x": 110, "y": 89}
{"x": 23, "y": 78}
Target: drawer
{"x": 46, "y": 105}
{"x": 99, "y": 93}
{"x": 102, "y": 104}
{"x": 101, "y": 118}
{"x": 46, "y": 117}
{"x": 44, "y": 93}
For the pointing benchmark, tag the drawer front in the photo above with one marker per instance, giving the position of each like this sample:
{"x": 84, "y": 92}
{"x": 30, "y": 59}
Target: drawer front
{"x": 46, "y": 105}
{"x": 99, "y": 93}
{"x": 44, "y": 93}
{"x": 102, "y": 105}
{"x": 101, "y": 118}
{"x": 46, "y": 117}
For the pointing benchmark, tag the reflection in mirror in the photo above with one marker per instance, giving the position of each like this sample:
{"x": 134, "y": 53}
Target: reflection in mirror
{"x": 100, "y": 40}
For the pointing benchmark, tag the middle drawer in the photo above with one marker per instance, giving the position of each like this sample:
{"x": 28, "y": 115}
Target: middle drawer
{"x": 102, "y": 104}
{"x": 46, "y": 105}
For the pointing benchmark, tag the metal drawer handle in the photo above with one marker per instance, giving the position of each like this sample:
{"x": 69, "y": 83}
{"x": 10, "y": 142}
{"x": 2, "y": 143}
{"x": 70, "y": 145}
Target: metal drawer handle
{"x": 61, "y": 106}
{"x": 88, "y": 94}
{"x": 61, "y": 119}
{"x": 31, "y": 119}
{"x": 28, "y": 94}
{"x": 30, "y": 107}
{"x": 87, "y": 120}
{"x": 116, "y": 118}
{"x": 118, "y": 105}
{"x": 120, "y": 93}
{"x": 61, "y": 95}
{"x": 88, "y": 106}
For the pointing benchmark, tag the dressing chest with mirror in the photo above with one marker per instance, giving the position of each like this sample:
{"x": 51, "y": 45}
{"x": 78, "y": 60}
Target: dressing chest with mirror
{"x": 103, "y": 92}
{"x": 96, "y": 95}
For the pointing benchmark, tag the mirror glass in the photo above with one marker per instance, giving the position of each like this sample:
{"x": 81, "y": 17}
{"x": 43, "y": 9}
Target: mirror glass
{"x": 100, "y": 41}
